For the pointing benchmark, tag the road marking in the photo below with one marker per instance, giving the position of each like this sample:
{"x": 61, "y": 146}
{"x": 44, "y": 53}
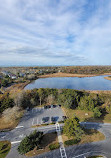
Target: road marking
{"x": 37, "y": 121}
{"x": 62, "y": 149}
{"x": 84, "y": 154}
{"x": 15, "y": 142}
{"x": 20, "y": 136}
{"x": 33, "y": 122}
{"x": 19, "y": 126}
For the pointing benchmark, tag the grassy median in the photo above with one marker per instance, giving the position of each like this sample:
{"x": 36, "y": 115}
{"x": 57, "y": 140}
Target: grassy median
{"x": 4, "y": 148}
{"x": 90, "y": 135}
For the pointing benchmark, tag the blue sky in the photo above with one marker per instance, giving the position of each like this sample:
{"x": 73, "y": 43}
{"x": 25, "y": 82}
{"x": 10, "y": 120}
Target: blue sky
{"x": 55, "y": 32}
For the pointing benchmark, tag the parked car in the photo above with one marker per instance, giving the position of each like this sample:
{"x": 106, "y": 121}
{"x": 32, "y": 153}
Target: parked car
{"x": 45, "y": 119}
{"x": 48, "y": 106}
{"x": 54, "y": 106}
{"x": 54, "y": 119}
{"x": 45, "y": 107}
{"x": 59, "y": 105}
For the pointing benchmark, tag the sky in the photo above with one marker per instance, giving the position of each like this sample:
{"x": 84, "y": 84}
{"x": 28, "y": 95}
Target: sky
{"x": 55, "y": 32}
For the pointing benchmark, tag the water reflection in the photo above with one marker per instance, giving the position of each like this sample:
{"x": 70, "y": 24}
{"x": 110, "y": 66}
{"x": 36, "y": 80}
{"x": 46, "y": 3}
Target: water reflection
{"x": 87, "y": 83}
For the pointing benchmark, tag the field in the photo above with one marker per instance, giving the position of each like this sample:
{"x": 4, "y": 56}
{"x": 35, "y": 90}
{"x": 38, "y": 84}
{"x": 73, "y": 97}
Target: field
{"x": 86, "y": 115}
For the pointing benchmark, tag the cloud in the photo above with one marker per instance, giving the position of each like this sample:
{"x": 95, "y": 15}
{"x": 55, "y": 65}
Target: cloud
{"x": 55, "y": 32}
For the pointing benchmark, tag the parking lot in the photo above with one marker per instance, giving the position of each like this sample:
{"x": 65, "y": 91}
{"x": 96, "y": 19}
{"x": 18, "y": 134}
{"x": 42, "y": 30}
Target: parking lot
{"x": 41, "y": 115}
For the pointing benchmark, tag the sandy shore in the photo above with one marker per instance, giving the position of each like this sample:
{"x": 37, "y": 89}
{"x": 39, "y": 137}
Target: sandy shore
{"x": 60, "y": 74}
{"x": 107, "y": 78}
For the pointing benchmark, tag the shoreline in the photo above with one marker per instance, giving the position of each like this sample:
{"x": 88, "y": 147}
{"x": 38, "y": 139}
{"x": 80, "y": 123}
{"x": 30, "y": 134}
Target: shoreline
{"x": 107, "y": 78}
{"x": 60, "y": 74}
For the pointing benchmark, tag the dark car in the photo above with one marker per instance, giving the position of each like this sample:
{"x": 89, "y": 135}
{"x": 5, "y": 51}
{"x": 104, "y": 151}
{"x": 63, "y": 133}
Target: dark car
{"x": 48, "y": 106}
{"x": 54, "y": 119}
{"x": 45, "y": 107}
{"x": 45, "y": 119}
{"x": 54, "y": 106}
{"x": 59, "y": 105}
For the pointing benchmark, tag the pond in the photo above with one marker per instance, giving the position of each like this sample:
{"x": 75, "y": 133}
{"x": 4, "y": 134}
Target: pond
{"x": 86, "y": 83}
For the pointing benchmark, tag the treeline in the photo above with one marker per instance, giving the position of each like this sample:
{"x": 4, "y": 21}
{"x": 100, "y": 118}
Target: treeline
{"x": 86, "y": 69}
{"x": 69, "y": 98}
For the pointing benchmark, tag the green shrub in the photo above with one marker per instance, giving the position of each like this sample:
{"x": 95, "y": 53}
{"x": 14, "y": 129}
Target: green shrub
{"x": 71, "y": 142}
{"x": 54, "y": 146}
{"x": 97, "y": 113}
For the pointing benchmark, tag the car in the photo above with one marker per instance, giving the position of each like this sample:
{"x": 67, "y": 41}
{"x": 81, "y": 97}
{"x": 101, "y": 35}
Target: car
{"x": 54, "y": 106}
{"x": 45, "y": 119}
{"x": 59, "y": 105}
{"x": 48, "y": 106}
{"x": 45, "y": 107}
{"x": 54, "y": 119}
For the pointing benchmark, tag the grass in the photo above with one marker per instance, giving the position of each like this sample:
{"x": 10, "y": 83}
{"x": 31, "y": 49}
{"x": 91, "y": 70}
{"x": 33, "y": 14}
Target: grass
{"x": 86, "y": 115}
{"x": 90, "y": 135}
{"x": 54, "y": 146}
{"x": 79, "y": 113}
{"x": 49, "y": 140}
{"x": 5, "y": 147}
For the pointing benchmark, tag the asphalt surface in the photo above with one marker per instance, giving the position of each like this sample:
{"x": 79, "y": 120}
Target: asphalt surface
{"x": 77, "y": 151}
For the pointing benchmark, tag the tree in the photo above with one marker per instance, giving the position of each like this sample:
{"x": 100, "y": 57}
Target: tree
{"x": 72, "y": 128}
{"x": 30, "y": 142}
{"x": 97, "y": 112}
{"x": 41, "y": 94}
{"x": 23, "y": 100}
{"x": 50, "y": 99}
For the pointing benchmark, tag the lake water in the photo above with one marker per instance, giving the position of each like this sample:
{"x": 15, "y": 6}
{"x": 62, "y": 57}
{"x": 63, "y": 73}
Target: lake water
{"x": 86, "y": 83}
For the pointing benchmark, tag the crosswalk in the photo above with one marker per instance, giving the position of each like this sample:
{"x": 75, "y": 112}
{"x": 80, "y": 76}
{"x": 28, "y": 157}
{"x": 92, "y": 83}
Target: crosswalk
{"x": 62, "y": 149}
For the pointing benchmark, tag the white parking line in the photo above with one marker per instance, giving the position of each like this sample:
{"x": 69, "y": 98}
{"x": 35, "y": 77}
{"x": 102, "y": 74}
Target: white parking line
{"x": 33, "y": 122}
{"x": 37, "y": 121}
{"x": 15, "y": 142}
{"x": 19, "y": 126}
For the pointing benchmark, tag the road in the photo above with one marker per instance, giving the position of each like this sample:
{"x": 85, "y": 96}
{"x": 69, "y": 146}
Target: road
{"x": 77, "y": 151}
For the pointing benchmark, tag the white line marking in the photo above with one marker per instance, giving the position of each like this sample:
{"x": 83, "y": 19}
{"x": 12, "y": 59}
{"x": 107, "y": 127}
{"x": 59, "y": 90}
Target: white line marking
{"x": 15, "y": 142}
{"x": 19, "y": 126}
{"x": 81, "y": 154}
{"x": 33, "y": 122}
{"x": 37, "y": 121}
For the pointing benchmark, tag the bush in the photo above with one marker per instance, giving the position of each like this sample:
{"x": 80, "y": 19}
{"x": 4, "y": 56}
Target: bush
{"x": 30, "y": 142}
{"x": 97, "y": 113}
{"x": 54, "y": 146}
{"x": 71, "y": 142}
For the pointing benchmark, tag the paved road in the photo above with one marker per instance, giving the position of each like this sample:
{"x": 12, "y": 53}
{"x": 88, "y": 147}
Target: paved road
{"x": 78, "y": 151}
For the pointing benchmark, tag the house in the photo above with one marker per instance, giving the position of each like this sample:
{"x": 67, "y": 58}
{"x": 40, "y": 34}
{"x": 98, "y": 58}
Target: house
{"x": 12, "y": 76}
